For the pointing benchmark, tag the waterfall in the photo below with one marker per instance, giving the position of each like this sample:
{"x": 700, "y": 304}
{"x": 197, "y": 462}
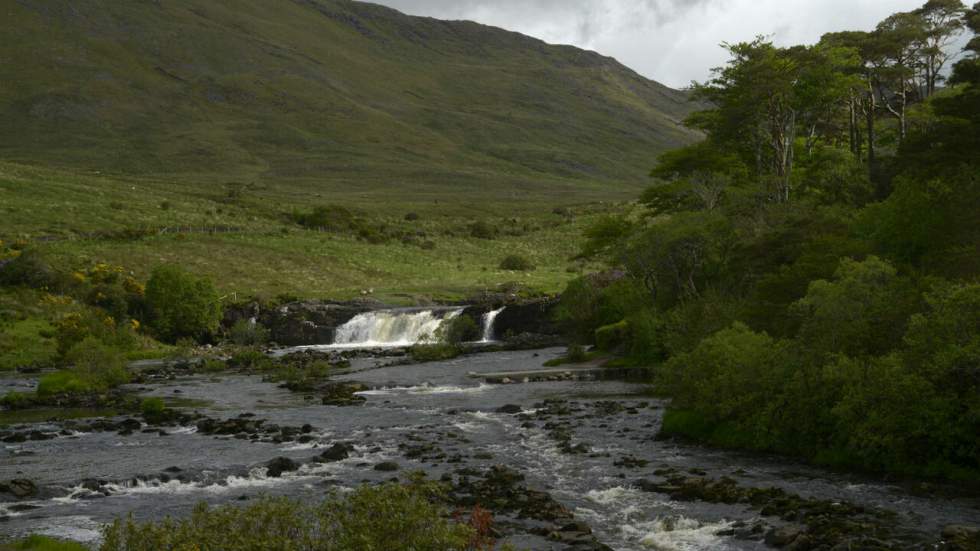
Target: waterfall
{"x": 488, "y": 320}
{"x": 392, "y": 327}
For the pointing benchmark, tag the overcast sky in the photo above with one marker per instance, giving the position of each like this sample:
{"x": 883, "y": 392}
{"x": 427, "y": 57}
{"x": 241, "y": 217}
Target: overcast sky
{"x": 671, "y": 41}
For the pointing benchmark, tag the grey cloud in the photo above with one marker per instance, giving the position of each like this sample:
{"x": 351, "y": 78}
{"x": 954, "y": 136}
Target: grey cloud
{"x": 673, "y": 41}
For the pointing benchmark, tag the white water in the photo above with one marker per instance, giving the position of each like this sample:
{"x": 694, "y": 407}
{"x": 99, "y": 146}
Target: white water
{"x": 488, "y": 320}
{"x": 388, "y": 328}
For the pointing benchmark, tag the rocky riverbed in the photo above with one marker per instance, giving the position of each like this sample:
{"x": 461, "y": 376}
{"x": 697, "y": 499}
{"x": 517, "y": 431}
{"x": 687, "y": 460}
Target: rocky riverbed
{"x": 564, "y": 464}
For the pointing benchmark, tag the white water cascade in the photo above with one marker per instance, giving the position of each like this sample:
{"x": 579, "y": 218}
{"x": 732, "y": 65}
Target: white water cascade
{"x": 488, "y": 320}
{"x": 391, "y": 328}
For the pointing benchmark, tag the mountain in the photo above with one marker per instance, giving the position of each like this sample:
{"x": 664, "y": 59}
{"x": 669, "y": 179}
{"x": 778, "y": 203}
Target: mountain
{"x": 319, "y": 91}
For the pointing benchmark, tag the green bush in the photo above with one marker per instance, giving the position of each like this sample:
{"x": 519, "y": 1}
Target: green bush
{"x": 301, "y": 378}
{"x": 152, "y": 408}
{"x": 62, "y": 382}
{"x": 613, "y": 337}
{"x": 460, "y": 329}
{"x": 181, "y": 304}
{"x": 249, "y": 358}
{"x": 94, "y": 367}
{"x": 434, "y": 352}
{"x": 482, "y": 230}
{"x": 731, "y": 377}
{"x": 516, "y": 263}
{"x": 31, "y": 269}
{"x": 326, "y": 217}
{"x": 576, "y": 354}
{"x": 17, "y": 400}
{"x": 393, "y": 517}
{"x": 247, "y": 333}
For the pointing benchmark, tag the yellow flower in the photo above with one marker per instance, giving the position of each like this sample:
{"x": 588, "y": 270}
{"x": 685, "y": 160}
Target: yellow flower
{"x": 135, "y": 324}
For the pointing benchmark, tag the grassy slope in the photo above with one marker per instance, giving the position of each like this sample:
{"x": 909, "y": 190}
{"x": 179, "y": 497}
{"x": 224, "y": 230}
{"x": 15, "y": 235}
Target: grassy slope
{"x": 57, "y": 209}
{"x": 327, "y": 95}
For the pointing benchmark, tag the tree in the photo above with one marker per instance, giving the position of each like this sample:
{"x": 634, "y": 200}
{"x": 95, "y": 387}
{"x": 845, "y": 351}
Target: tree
{"x": 897, "y": 42}
{"x": 755, "y": 110}
{"x": 181, "y": 304}
{"x": 860, "y": 313}
{"x": 680, "y": 257}
{"x": 943, "y": 22}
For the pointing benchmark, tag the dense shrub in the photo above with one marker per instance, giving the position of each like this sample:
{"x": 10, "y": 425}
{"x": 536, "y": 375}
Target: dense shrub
{"x": 576, "y": 354}
{"x": 326, "y": 217}
{"x": 593, "y": 301}
{"x": 249, "y": 358}
{"x": 62, "y": 382}
{"x": 392, "y": 517}
{"x": 181, "y": 304}
{"x": 482, "y": 229}
{"x": 31, "y": 269}
{"x": 152, "y": 408}
{"x": 248, "y": 333}
{"x": 461, "y": 329}
{"x": 516, "y": 263}
{"x": 95, "y": 366}
{"x": 434, "y": 352}
{"x": 915, "y": 410}
{"x": 613, "y": 337}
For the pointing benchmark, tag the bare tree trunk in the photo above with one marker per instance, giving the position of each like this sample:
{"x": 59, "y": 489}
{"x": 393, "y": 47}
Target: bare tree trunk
{"x": 869, "y": 114}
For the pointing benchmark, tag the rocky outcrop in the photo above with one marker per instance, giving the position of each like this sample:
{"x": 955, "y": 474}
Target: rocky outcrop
{"x": 315, "y": 322}
{"x": 534, "y": 317}
{"x": 300, "y": 323}
{"x": 19, "y": 488}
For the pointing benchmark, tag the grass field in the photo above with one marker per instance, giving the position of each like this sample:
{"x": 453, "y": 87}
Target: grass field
{"x": 79, "y": 219}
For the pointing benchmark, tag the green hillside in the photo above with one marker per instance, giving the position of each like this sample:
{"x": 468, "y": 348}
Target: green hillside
{"x": 331, "y": 95}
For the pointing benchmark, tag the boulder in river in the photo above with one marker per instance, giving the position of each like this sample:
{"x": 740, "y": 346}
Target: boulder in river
{"x": 511, "y": 409}
{"x": 336, "y": 452}
{"x": 18, "y": 487}
{"x": 781, "y": 537}
{"x": 386, "y": 466}
{"x": 280, "y": 465}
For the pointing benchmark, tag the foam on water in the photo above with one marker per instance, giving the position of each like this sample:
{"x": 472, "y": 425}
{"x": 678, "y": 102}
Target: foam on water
{"x": 611, "y": 496}
{"x": 678, "y": 533}
{"x": 76, "y": 528}
{"x": 426, "y": 389}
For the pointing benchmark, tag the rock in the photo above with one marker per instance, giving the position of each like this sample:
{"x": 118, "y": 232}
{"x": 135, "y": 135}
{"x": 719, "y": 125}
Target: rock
{"x": 280, "y": 465}
{"x": 960, "y": 537}
{"x": 511, "y": 409}
{"x": 130, "y": 424}
{"x": 781, "y": 537}
{"x": 954, "y": 531}
{"x": 91, "y": 485}
{"x": 386, "y": 466}
{"x": 18, "y": 487}
{"x": 577, "y": 526}
{"x": 533, "y": 316}
{"x": 337, "y": 452}
{"x": 302, "y": 323}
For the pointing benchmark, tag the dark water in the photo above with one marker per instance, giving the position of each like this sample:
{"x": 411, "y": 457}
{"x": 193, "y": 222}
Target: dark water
{"x": 431, "y": 403}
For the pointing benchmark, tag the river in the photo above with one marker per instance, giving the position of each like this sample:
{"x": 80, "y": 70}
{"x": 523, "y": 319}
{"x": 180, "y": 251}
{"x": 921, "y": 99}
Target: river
{"x": 153, "y": 474}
